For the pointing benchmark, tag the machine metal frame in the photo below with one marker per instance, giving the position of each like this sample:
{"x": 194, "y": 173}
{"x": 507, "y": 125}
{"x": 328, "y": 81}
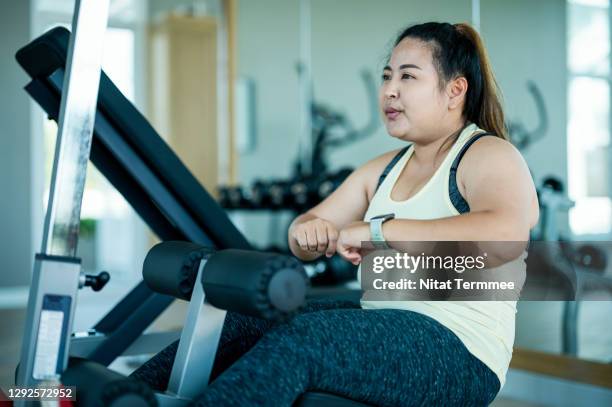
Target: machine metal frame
{"x": 57, "y": 271}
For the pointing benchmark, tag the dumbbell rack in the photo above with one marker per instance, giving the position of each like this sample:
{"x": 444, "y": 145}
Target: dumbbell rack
{"x": 297, "y": 194}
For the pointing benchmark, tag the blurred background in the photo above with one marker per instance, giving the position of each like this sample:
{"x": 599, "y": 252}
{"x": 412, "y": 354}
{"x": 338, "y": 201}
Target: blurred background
{"x": 259, "y": 98}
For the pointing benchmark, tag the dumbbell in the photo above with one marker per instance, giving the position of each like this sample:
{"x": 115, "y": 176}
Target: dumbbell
{"x": 331, "y": 271}
{"x": 232, "y": 197}
{"x": 332, "y": 182}
{"x": 280, "y": 194}
{"x": 260, "y": 196}
{"x": 300, "y": 195}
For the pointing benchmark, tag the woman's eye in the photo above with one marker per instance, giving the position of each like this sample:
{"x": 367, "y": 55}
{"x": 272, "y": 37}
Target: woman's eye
{"x": 385, "y": 77}
{"x": 407, "y": 76}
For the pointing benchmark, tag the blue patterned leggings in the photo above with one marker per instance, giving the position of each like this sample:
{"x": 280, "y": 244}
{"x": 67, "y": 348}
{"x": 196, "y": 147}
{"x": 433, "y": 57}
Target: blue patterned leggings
{"x": 383, "y": 357}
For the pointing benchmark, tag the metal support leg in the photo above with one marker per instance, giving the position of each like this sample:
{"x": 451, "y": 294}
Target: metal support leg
{"x": 55, "y": 280}
{"x": 570, "y": 328}
{"x": 555, "y": 202}
{"x": 198, "y": 345}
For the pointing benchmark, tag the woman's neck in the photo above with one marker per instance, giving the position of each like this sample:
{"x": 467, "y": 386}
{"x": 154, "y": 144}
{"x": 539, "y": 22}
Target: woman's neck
{"x": 433, "y": 152}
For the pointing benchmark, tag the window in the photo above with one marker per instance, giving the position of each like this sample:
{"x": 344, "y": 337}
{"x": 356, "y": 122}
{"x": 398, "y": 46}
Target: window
{"x": 588, "y": 140}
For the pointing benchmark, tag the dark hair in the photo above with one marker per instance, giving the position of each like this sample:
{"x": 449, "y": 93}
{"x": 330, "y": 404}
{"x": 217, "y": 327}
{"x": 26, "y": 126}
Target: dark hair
{"x": 458, "y": 50}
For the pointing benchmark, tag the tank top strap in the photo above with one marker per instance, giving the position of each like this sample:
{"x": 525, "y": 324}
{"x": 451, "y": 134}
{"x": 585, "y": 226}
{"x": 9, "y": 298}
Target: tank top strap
{"x": 391, "y": 164}
{"x": 453, "y": 190}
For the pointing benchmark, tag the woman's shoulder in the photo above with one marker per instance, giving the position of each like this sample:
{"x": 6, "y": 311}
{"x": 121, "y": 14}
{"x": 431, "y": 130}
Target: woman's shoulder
{"x": 492, "y": 151}
{"x": 493, "y": 172}
{"x": 495, "y": 160}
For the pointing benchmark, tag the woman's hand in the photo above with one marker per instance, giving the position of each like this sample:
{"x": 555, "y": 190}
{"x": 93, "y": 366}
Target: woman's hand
{"x": 316, "y": 235}
{"x": 349, "y": 241}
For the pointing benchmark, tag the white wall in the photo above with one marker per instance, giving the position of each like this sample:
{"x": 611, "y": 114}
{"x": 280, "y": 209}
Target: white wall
{"x": 16, "y": 243}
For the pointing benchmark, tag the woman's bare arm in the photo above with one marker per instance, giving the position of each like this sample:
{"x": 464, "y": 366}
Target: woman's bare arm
{"x": 315, "y": 232}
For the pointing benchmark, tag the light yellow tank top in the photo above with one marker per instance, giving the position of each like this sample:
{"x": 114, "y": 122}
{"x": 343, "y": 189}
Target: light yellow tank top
{"x": 486, "y": 328}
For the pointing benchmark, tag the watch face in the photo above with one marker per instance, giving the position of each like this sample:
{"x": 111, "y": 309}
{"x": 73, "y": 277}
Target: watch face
{"x": 384, "y": 217}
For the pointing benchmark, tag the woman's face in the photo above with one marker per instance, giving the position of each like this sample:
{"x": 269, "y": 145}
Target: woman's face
{"x": 410, "y": 98}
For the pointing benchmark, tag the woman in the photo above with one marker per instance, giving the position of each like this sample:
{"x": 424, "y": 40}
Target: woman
{"x": 438, "y": 93}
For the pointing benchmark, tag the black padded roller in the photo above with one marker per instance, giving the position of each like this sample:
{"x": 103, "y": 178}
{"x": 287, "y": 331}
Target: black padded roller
{"x": 265, "y": 285}
{"x": 171, "y": 267}
{"x": 96, "y": 385}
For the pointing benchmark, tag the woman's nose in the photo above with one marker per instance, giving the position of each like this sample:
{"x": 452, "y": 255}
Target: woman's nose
{"x": 391, "y": 92}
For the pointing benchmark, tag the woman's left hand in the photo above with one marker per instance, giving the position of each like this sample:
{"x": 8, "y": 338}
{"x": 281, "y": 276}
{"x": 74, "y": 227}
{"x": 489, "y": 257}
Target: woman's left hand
{"x": 349, "y": 241}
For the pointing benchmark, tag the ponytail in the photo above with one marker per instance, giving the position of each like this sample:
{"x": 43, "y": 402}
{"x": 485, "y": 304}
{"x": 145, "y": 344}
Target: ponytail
{"x": 458, "y": 50}
{"x": 490, "y": 116}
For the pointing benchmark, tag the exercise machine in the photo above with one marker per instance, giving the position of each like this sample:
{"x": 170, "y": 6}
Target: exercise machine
{"x": 152, "y": 179}
{"x": 572, "y": 261}
{"x": 264, "y": 285}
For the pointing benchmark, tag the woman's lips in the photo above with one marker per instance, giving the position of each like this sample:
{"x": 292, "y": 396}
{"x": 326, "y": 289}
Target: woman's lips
{"x": 392, "y": 114}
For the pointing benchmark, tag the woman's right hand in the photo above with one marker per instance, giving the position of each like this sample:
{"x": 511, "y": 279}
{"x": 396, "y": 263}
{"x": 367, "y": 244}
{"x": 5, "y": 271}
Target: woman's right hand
{"x": 316, "y": 236}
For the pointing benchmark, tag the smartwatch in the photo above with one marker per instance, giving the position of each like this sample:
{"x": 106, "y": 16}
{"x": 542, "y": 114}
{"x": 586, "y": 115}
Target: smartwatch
{"x": 376, "y": 234}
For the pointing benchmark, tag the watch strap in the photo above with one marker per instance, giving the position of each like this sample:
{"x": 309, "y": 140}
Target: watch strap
{"x": 376, "y": 234}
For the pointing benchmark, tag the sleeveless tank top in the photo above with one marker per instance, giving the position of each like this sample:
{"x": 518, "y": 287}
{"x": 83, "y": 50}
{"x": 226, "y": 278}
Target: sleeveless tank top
{"x": 486, "y": 328}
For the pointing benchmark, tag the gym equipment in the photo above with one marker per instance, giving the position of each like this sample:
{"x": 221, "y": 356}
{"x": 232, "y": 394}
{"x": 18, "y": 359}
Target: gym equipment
{"x": 141, "y": 166}
{"x": 297, "y": 194}
{"x": 522, "y": 138}
{"x": 330, "y": 271}
{"x": 332, "y": 129}
{"x": 132, "y": 156}
{"x": 264, "y": 285}
{"x": 57, "y": 271}
{"x": 552, "y": 200}
{"x": 565, "y": 256}
{"x": 326, "y": 271}
{"x": 587, "y": 256}
{"x": 233, "y": 197}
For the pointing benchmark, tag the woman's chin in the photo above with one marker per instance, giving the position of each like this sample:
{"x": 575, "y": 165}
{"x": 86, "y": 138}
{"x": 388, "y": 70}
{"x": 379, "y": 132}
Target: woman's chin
{"x": 397, "y": 132}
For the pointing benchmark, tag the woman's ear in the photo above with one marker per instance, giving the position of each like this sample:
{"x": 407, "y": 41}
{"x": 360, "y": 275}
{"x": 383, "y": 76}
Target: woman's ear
{"x": 456, "y": 90}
